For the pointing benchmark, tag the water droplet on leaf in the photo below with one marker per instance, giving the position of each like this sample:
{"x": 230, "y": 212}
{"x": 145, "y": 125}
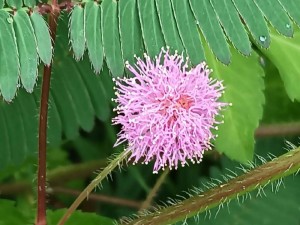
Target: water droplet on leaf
{"x": 288, "y": 26}
{"x": 262, "y": 38}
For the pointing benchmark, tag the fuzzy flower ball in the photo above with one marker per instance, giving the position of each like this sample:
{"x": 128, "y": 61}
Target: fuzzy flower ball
{"x": 167, "y": 111}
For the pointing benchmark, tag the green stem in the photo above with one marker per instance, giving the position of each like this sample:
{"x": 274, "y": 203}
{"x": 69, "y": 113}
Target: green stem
{"x": 278, "y": 168}
{"x": 84, "y": 194}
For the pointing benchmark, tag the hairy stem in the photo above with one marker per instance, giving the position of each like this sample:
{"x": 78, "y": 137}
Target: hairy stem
{"x": 43, "y": 120}
{"x": 259, "y": 177}
{"x": 85, "y": 193}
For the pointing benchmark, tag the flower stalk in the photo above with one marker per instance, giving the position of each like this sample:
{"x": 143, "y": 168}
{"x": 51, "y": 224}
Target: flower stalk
{"x": 85, "y": 193}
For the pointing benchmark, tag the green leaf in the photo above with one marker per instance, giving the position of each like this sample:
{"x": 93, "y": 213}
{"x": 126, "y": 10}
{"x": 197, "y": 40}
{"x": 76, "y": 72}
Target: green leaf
{"x": 27, "y": 49}
{"x": 77, "y": 36}
{"x": 30, "y": 3}
{"x": 18, "y": 138}
{"x": 9, "y": 69}
{"x": 11, "y": 214}
{"x": 130, "y": 31}
{"x": 77, "y": 96}
{"x": 278, "y": 108}
{"x": 92, "y": 17}
{"x": 284, "y": 53}
{"x": 4, "y": 140}
{"x": 280, "y": 19}
{"x": 168, "y": 24}
{"x": 96, "y": 88}
{"x": 54, "y": 129}
{"x": 1, "y": 4}
{"x": 188, "y": 31}
{"x": 292, "y": 7}
{"x": 65, "y": 106}
{"x": 43, "y": 38}
{"x": 211, "y": 29}
{"x": 15, "y": 4}
{"x": 111, "y": 39}
{"x": 229, "y": 18}
{"x": 244, "y": 89}
{"x": 151, "y": 30}
{"x": 28, "y": 108}
{"x": 254, "y": 20}
{"x": 78, "y": 218}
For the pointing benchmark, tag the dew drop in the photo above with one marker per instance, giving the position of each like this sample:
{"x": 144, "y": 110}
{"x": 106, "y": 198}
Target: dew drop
{"x": 288, "y": 26}
{"x": 262, "y": 38}
{"x": 10, "y": 20}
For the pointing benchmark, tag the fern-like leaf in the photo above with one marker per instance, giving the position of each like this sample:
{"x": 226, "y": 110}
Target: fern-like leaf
{"x": 77, "y": 96}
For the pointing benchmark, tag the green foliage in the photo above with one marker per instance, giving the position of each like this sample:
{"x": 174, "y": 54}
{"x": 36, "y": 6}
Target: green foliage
{"x": 15, "y": 4}
{"x": 120, "y": 29}
{"x": 43, "y": 39}
{"x": 116, "y": 31}
{"x": 292, "y": 7}
{"x": 285, "y": 112}
{"x": 74, "y": 104}
{"x": 110, "y": 36}
{"x": 10, "y": 214}
{"x": 9, "y": 69}
{"x": 152, "y": 34}
{"x": 92, "y": 23}
{"x": 229, "y": 18}
{"x": 130, "y": 31}
{"x": 244, "y": 89}
{"x": 284, "y": 53}
{"x": 256, "y": 24}
{"x": 30, "y": 3}
{"x": 279, "y": 20}
{"x": 13, "y": 214}
{"x": 27, "y": 49}
{"x": 188, "y": 31}
{"x": 78, "y": 218}
{"x": 77, "y": 36}
{"x": 211, "y": 29}
{"x": 168, "y": 25}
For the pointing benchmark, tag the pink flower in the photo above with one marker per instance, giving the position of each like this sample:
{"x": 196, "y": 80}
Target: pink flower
{"x": 167, "y": 111}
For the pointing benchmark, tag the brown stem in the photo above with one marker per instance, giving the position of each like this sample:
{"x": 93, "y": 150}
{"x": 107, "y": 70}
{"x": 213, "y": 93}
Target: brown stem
{"x": 43, "y": 118}
{"x": 58, "y": 176}
{"x": 98, "y": 197}
{"x": 147, "y": 203}
{"x": 280, "y": 130}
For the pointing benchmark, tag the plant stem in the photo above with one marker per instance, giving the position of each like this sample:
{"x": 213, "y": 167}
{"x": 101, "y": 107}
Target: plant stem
{"x": 43, "y": 121}
{"x": 147, "y": 203}
{"x": 259, "y": 177}
{"x": 99, "y": 198}
{"x": 278, "y": 130}
{"x": 84, "y": 194}
{"x": 57, "y": 176}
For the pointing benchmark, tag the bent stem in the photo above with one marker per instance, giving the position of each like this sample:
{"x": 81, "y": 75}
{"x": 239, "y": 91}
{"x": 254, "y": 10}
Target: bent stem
{"x": 43, "y": 121}
{"x": 257, "y": 178}
{"x": 84, "y": 194}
